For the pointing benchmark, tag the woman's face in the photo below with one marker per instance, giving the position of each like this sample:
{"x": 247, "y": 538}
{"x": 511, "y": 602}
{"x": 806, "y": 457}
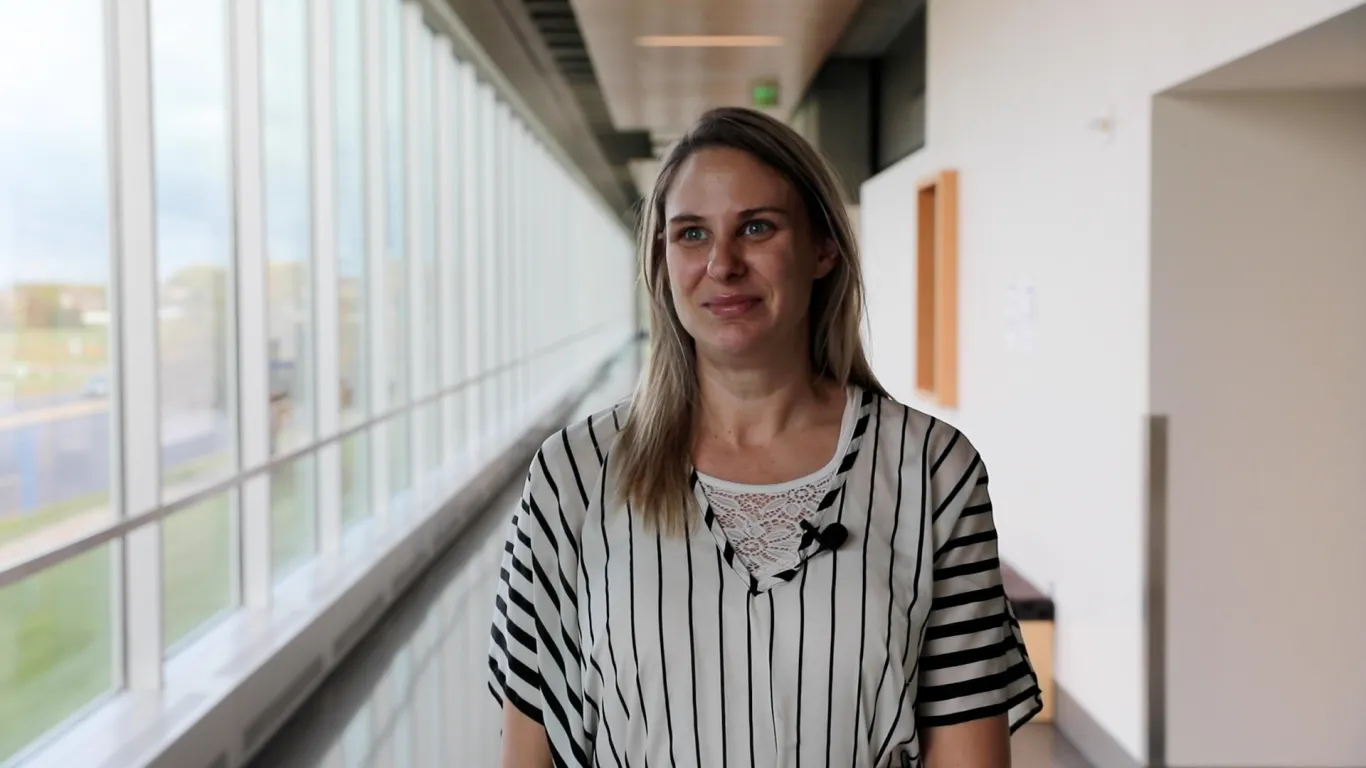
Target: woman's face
{"x": 741, "y": 255}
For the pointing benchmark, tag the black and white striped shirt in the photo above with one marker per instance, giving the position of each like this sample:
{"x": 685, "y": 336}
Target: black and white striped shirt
{"x": 636, "y": 649}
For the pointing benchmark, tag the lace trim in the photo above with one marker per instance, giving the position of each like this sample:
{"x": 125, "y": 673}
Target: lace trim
{"x": 764, "y": 526}
{"x": 761, "y": 524}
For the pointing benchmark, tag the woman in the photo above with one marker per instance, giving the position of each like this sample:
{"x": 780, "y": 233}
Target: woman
{"x": 761, "y": 559}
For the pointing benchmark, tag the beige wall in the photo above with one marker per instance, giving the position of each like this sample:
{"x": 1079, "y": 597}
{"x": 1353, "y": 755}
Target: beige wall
{"x": 1045, "y": 109}
{"x": 1259, "y": 358}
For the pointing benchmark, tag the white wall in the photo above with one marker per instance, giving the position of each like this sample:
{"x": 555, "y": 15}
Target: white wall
{"x": 1259, "y": 357}
{"x": 1050, "y": 201}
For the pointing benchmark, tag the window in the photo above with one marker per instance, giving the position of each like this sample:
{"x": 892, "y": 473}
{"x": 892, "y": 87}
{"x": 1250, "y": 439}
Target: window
{"x": 194, "y": 253}
{"x": 59, "y": 657}
{"x": 55, "y": 383}
{"x": 434, "y": 268}
{"x": 198, "y": 547}
{"x": 353, "y": 355}
{"x": 56, "y": 627}
{"x": 355, "y": 491}
{"x": 194, "y": 241}
{"x": 293, "y": 527}
{"x": 285, "y": 93}
{"x": 350, "y": 167}
{"x": 284, "y": 77}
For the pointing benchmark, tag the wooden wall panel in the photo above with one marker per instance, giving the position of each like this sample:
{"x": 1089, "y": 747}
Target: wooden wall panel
{"x": 936, "y": 374}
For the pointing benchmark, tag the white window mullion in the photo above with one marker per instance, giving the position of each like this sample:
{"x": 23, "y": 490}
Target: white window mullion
{"x": 542, "y": 321}
{"x": 498, "y": 255}
{"x": 414, "y": 101}
{"x": 327, "y": 334}
{"x": 448, "y": 227}
{"x": 524, "y": 304}
{"x": 495, "y": 258}
{"x": 138, "y": 367}
{"x": 376, "y": 223}
{"x": 518, "y": 224}
{"x": 487, "y": 249}
{"x": 253, "y": 350}
{"x": 546, "y": 268}
{"x": 564, "y": 214}
{"x": 565, "y": 323}
{"x": 471, "y": 261}
{"x": 514, "y": 253}
{"x": 501, "y": 324}
{"x": 492, "y": 257}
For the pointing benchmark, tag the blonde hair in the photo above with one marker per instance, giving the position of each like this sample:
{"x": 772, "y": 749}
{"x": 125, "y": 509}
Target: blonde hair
{"x": 653, "y": 453}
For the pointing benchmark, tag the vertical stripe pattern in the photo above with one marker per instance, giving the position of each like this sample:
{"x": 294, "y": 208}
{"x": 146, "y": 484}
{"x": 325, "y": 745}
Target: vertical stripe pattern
{"x": 634, "y": 649}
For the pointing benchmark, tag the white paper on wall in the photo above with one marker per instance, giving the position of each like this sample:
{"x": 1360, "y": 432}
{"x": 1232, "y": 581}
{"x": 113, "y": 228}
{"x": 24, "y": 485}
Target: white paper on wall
{"x": 1020, "y": 314}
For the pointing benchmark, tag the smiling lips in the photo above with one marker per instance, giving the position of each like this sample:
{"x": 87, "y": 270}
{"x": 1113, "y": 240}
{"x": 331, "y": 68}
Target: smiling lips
{"x": 731, "y": 306}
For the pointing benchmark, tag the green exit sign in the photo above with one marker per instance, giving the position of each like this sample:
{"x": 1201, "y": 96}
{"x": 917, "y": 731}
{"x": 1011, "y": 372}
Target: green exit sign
{"x": 765, "y": 93}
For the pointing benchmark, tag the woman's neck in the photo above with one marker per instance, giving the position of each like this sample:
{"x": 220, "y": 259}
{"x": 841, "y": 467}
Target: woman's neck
{"x": 754, "y": 406}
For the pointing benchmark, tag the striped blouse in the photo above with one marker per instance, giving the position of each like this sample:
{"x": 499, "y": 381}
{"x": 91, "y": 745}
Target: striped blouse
{"x": 639, "y": 649}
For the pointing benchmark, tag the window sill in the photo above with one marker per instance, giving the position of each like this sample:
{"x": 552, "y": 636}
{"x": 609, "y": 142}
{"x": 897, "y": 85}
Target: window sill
{"x": 230, "y": 689}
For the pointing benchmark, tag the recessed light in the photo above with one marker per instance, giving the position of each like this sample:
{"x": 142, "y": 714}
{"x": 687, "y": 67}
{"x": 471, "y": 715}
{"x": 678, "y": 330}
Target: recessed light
{"x": 708, "y": 41}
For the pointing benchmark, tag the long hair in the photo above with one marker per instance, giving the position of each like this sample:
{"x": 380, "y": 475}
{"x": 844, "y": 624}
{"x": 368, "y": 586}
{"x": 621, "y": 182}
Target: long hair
{"x": 653, "y": 453}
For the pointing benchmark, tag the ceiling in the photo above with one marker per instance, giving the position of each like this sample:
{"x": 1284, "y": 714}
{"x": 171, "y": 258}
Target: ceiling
{"x": 613, "y": 104}
{"x": 1328, "y": 55}
{"x": 663, "y": 89}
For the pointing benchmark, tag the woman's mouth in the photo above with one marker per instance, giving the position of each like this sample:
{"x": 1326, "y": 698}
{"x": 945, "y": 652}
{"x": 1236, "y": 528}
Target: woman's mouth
{"x": 731, "y": 306}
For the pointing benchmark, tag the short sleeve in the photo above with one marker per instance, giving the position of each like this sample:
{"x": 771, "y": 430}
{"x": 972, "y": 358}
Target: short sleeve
{"x": 514, "y": 664}
{"x": 973, "y": 662}
{"x": 534, "y": 648}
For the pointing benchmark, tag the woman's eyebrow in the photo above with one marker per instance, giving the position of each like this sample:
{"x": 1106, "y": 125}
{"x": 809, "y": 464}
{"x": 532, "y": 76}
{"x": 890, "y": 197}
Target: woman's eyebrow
{"x": 763, "y": 209}
{"x": 748, "y": 212}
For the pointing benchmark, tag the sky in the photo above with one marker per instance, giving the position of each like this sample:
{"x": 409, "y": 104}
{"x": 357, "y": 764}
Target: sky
{"x": 54, "y": 174}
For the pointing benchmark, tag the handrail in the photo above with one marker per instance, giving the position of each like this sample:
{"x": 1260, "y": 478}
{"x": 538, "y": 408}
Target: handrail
{"x": 19, "y": 570}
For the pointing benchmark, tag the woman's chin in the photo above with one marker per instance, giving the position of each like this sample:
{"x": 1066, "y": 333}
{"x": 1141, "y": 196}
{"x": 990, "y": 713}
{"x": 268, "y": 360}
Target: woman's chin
{"x": 736, "y": 342}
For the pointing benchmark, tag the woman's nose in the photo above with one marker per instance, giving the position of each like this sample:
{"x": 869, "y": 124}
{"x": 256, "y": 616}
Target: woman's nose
{"x": 726, "y": 260}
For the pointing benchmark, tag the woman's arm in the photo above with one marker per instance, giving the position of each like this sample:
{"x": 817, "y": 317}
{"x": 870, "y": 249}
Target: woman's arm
{"x": 983, "y": 743}
{"x": 976, "y": 682}
{"x": 524, "y": 741}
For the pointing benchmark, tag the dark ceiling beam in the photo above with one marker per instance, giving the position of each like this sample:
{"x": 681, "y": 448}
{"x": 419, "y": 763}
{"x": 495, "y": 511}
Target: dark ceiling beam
{"x": 623, "y": 146}
{"x": 511, "y": 42}
{"x": 549, "y": 6}
{"x": 874, "y": 26}
{"x": 557, "y": 23}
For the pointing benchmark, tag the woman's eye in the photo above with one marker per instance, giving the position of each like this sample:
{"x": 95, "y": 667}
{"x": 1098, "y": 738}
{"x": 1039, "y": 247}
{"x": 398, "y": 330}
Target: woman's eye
{"x": 756, "y": 228}
{"x": 691, "y": 234}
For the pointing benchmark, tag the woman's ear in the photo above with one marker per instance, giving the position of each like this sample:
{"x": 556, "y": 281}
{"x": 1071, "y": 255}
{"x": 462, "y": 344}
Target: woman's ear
{"x": 827, "y": 255}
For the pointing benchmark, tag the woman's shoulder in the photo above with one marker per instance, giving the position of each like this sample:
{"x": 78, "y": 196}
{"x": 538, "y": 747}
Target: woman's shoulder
{"x": 925, "y": 433}
{"x": 584, "y": 443}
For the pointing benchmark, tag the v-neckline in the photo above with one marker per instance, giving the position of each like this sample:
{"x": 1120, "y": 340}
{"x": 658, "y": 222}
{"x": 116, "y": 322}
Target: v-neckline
{"x": 819, "y": 519}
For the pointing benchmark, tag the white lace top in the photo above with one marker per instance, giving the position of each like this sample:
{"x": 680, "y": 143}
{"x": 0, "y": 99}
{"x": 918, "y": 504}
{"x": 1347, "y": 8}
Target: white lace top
{"x": 763, "y": 522}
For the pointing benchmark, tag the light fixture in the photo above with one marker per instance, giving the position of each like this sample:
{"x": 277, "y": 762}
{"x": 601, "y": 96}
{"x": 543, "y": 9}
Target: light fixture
{"x": 708, "y": 41}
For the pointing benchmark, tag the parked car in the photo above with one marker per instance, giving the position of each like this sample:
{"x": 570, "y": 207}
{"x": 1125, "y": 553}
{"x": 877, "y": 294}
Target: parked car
{"x": 96, "y": 386}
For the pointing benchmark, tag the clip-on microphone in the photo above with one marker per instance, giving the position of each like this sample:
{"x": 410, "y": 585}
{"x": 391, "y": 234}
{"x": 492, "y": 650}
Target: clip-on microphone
{"x": 831, "y": 537}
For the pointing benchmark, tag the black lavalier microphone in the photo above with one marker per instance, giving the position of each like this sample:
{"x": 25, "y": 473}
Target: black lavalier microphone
{"x": 831, "y": 537}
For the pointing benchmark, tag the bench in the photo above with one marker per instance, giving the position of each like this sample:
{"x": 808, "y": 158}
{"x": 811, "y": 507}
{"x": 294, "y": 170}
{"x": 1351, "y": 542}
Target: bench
{"x": 1034, "y": 610}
